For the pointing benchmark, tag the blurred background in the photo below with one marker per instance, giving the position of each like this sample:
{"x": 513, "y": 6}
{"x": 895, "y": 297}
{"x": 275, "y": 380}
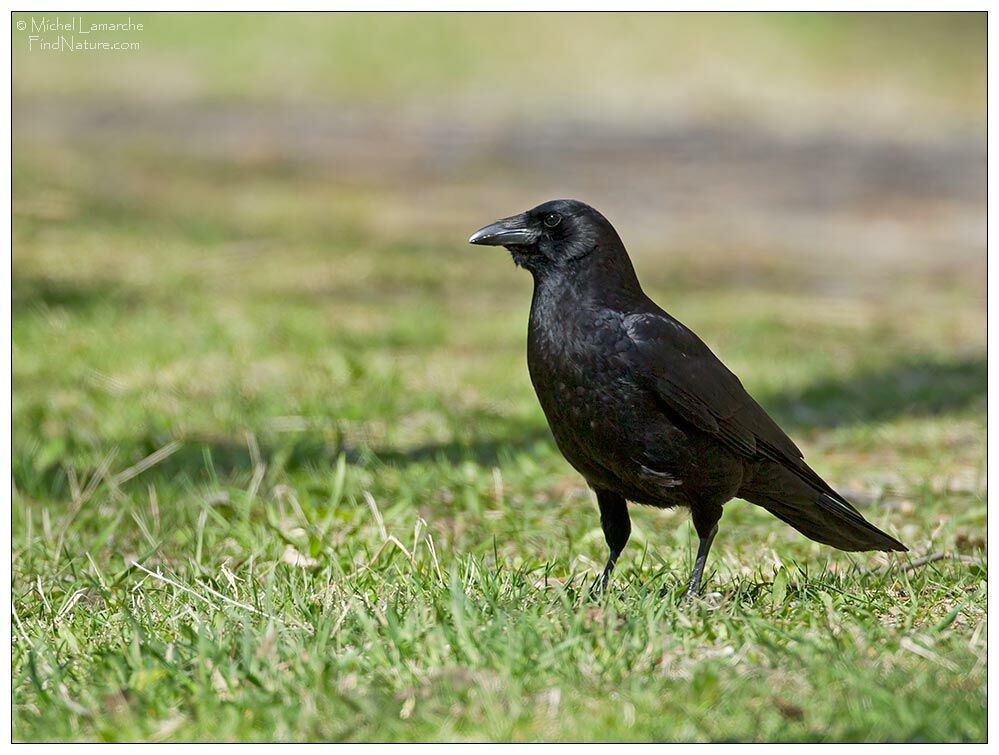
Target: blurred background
{"x": 239, "y": 255}
{"x": 803, "y": 167}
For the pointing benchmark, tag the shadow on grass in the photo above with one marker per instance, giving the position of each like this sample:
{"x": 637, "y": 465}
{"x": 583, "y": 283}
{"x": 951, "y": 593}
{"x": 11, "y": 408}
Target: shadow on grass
{"x": 228, "y": 459}
{"x": 29, "y": 293}
{"x": 231, "y": 458}
{"x": 911, "y": 388}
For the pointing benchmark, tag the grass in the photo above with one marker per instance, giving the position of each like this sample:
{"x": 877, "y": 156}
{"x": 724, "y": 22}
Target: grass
{"x": 279, "y": 472}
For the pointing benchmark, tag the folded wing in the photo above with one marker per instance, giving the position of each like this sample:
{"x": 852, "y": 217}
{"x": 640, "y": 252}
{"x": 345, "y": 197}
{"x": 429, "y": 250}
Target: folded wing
{"x": 689, "y": 379}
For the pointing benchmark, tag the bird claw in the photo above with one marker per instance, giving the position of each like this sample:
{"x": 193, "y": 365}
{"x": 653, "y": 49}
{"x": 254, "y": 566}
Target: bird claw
{"x": 599, "y": 589}
{"x": 709, "y": 599}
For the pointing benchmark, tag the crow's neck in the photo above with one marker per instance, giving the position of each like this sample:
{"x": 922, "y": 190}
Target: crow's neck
{"x": 604, "y": 278}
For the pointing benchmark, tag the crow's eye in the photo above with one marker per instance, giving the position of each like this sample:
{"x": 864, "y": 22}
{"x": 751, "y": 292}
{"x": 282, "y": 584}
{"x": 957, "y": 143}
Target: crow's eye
{"x": 552, "y": 219}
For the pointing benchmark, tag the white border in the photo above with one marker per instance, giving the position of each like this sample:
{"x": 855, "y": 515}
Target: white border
{"x": 141, "y": 6}
{"x": 443, "y": 5}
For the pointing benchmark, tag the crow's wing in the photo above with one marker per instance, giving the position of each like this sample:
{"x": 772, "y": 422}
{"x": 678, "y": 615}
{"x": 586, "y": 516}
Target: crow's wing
{"x": 693, "y": 382}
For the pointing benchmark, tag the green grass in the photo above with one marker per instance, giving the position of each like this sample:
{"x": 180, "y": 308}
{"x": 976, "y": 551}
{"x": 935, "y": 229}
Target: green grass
{"x": 279, "y": 472}
{"x": 292, "y": 386}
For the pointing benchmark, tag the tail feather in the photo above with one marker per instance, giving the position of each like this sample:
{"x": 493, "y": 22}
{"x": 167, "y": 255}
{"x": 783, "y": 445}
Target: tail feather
{"x": 815, "y": 513}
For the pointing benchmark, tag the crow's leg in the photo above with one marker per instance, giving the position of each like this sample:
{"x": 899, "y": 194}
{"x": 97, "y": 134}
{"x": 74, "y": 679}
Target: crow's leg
{"x": 694, "y": 585}
{"x": 617, "y": 528}
{"x": 706, "y": 524}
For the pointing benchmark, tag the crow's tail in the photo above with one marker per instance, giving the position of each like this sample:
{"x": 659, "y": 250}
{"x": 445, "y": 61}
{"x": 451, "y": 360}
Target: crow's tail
{"x": 820, "y": 514}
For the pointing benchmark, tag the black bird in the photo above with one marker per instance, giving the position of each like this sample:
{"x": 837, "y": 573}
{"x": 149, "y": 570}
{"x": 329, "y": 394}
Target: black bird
{"x": 641, "y": 407}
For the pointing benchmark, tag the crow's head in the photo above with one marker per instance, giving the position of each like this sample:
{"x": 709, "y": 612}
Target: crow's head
{"x": 556, "y": 235}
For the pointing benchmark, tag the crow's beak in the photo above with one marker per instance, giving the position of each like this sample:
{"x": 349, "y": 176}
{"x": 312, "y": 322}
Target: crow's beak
{"x": 513, "y": 231}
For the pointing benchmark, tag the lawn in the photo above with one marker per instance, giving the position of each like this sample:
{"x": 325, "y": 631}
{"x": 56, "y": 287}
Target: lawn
{"x": 278, "y": 469}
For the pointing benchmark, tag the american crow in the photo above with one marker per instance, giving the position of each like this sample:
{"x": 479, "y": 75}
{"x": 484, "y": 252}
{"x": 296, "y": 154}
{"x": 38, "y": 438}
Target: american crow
{"x": 641, "y": 407}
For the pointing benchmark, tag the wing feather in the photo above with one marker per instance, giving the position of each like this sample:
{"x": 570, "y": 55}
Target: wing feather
{"x": 693, "y": 382}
